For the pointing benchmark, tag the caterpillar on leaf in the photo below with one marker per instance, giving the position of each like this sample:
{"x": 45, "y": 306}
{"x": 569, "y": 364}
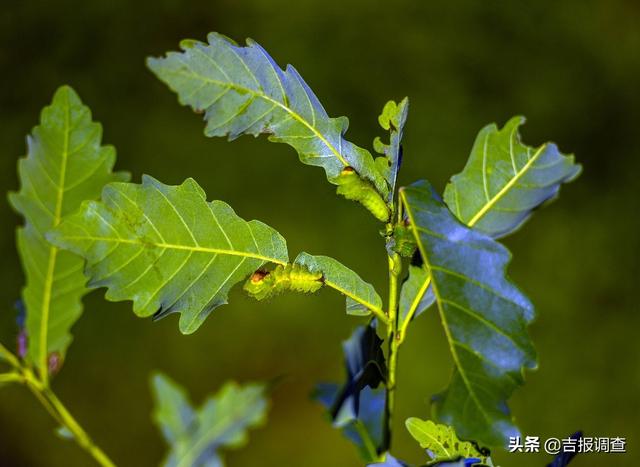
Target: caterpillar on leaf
{"x": 352, "y": 187}
{"x": 291, "y": 277}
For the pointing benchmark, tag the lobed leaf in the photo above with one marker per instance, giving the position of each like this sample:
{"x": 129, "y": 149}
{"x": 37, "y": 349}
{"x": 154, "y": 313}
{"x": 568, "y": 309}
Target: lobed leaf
{"x": 392, "y": 118}
{"x": 243, "y": 91}
{"x": 65, "y": 165}
{"x": 195, "y": 436}
{"x": 167, "y": 248}
{"x": 365, "y": 429}
{"x": 441, "y": 441}
{"x": 483, "y": 314}
{"x": 505, "y": 180}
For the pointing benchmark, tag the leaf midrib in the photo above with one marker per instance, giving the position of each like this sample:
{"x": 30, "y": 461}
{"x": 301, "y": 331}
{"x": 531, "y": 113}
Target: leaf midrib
{"x": 173, "y": 246}
{"x": 53, "y": 251}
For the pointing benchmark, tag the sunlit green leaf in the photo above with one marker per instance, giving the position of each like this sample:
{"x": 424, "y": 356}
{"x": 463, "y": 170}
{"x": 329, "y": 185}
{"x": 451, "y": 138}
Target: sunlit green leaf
{"x": 483, "y": 314}
{"x": 196, "y": 436}
{"x": 441, "y": 441}
{"x": 243, "y": 91}
{"x": 357, "y": 406}
{"x": 167, "y": 248}
{"x": 65, "y": 165}
{"x": 505, "y": 180}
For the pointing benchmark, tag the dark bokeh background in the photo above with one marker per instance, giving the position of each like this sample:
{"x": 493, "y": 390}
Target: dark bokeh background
{"x": 572, "y": 67}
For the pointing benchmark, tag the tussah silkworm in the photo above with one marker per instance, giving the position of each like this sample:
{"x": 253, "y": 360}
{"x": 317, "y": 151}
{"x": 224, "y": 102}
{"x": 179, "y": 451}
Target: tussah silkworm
{"x": 352, "y": 187}
{"x": 264, "y": 284}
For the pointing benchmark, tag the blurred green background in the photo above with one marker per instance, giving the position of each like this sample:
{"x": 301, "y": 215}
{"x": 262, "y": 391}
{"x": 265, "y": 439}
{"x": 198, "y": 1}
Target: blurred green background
{"x": 572, "y": 67}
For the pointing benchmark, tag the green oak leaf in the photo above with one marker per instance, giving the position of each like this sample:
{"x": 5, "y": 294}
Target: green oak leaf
{"x": 505, "y": 180}
{"x": 169, "y": 250}
{"x": 362, "y": 298}
{"x": 392, "y": 118}
{"x": 483, "y": 314}
{"x": 65, "y": 165}
{"x": 195, "y": 436}
{"x": 441, "y": 441}
{"x": 242, "y": 90}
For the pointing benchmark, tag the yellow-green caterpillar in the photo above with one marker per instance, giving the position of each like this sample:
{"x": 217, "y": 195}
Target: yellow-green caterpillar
{"x": 404, "y": 242}
{"x": 352, "y": 187}
{"x": 264, "y": 284}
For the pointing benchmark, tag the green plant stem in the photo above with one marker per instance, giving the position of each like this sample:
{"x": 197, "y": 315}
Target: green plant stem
{"x": 395, "y": 268}
{"x": 53, "y": 405}
{"x": 11, "y": 377}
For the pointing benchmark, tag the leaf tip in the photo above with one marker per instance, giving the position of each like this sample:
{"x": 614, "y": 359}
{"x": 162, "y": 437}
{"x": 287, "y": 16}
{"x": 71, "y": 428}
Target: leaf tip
{"x": 66, "y": 92}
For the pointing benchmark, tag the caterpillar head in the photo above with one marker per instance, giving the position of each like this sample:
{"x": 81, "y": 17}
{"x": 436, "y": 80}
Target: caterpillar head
{"x": 259, "y": 285}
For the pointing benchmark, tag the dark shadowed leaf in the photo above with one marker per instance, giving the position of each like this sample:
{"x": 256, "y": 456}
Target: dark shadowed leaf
{"x": 505, "y": 180}
{"x": 357, "y": 406}
{"x": 366, "y": 429}
{"x": 483, "y": 314}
